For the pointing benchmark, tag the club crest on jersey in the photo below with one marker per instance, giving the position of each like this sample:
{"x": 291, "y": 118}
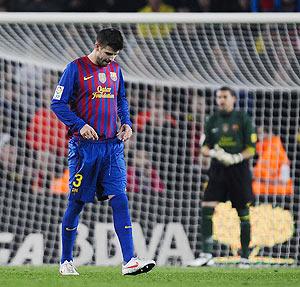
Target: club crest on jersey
{"x": 225, "y": 128}
{"x": 102, "y": 77}
{"x": 235, "y": 127}
{"x": 58, "y": 92}
{"x": 113, "y": 76}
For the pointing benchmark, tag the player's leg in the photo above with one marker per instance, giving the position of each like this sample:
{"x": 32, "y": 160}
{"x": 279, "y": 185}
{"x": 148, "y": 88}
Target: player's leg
{"x": 81, "y": 190}
{"x": 245, "y": 231}
{"x": 214, "y": 193}
{"x": 122, "y": 224}
{"x": 208, "y": 208}
{"x": 206, "y": 257}
{"x": 69, "y": 230}
{"x": 114, "y": 185}
{"x": 123, "y": 228}
{"x": 241, "y": 197}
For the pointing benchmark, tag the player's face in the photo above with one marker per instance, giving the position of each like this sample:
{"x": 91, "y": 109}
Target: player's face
{"x": 225, "y": 101}
{"x": 105, "y": 55}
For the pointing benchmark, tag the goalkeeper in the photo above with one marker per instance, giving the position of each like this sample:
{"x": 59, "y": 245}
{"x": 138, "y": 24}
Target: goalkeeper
{"x": 230, "y": 142}
{"x": 88, "y": 99}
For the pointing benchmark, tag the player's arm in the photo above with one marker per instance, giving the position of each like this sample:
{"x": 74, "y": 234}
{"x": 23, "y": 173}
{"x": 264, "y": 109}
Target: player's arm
{"x": 62, "y": 96}
{"x": 250, "y": 138}
{"x": 125, "y": 131}
{"x": 207, "y": 148}
{"x": 208, "y": 152}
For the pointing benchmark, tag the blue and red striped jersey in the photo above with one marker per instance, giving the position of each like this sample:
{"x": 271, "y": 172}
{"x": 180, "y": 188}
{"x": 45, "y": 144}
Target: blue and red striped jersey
{"x": 93, "y": 95}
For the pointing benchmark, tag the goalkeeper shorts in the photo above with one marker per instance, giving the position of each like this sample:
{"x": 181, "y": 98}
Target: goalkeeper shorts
{"x": 97, "y": 169}
{"x": 232, "y": 183}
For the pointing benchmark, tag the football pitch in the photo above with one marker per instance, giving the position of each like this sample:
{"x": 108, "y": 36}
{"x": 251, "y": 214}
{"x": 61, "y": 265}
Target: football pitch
{"x": 91, "y": 276}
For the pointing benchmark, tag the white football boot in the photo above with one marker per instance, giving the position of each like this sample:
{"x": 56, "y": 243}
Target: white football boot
{"x": 137, "y": 266}
{"x": 244, "y": 263}
{"x": 68, "y": 269}
{"x": 204, "y": 259}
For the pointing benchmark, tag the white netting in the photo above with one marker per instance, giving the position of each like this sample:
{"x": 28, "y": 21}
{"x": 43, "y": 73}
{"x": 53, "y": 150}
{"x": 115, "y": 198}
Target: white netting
{"x": 171, "y": 71}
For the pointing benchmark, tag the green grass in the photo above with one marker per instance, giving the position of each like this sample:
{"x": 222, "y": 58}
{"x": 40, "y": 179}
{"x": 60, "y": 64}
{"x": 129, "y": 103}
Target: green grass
{"x": 91, "y": 276}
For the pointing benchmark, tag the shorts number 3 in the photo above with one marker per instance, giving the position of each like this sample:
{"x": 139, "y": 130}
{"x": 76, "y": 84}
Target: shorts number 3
{"x": 78, "y": 179}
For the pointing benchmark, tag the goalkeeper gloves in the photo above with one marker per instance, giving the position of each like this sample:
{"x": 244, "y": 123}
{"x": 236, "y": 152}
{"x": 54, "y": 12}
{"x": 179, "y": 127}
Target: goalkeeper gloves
{"x": 224, "y": 157}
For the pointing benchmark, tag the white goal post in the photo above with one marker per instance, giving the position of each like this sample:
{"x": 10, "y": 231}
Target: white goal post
{"x": 172, "y": 64}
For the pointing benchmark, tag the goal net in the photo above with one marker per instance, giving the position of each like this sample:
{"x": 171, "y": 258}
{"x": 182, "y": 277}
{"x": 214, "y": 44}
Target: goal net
{"x": 172, "y": 65}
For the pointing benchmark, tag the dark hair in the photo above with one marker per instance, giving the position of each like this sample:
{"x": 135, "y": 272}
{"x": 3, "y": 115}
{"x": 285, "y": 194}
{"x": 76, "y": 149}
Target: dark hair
{"x": 227, "y": 89}
{"x": 110, "y": 37}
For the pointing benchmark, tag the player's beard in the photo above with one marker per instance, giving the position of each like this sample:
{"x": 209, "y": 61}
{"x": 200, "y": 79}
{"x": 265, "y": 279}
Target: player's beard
{"x": 102, "y": 62}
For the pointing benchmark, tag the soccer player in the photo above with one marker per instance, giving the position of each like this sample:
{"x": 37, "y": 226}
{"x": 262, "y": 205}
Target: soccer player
{"x": 230, "y": 142}
{"x": 88, "y": 99}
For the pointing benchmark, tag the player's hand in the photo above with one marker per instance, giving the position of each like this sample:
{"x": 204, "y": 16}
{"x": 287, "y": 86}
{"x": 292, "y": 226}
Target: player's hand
{"x": 227, "y": 158}
{"x": 87, "y": 132}
{"x": 124, "y": 133}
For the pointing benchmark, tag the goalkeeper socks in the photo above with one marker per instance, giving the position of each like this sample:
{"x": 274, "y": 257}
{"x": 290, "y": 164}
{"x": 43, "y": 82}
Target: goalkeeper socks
{"x": 122, "y": 224}
{"x": 69, "y": 229}
{"x": 245, "y": 231}
{"x": 207, "y": 241}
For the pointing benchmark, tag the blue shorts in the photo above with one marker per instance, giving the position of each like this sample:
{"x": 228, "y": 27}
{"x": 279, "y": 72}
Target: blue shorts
{"x": 97, "y": 169}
